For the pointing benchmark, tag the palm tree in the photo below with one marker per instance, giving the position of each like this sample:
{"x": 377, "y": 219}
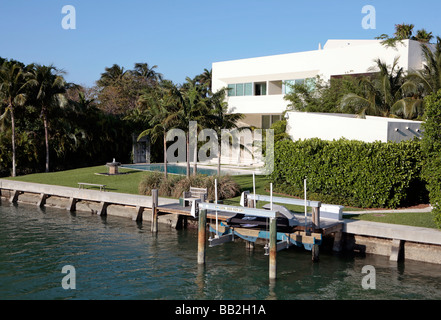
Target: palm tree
{"x": 49, "y": 89}
{"x": 404, "y": 31}
{"x": 219, "y": 119}
{"x": 385, "y": 94}
{"x": 192, "y": 107}
{"x": 143, "y": 71}
{"x": 430, "y": 76}
{"x": 111, "y": 75}
{"x": 161, "y": 106}
{"x": 423, "y": 36}
{"x": 13, "y": 87}
{"x": 205, "y": 80}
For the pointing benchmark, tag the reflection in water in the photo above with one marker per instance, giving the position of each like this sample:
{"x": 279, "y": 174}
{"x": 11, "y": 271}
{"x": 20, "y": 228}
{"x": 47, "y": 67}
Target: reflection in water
{"x": 116, "y": 258}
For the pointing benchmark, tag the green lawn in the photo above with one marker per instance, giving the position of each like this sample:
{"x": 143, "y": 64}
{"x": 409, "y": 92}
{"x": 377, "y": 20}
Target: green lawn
{"x": 128, "y": 183}
{"x": 420, "y": 219}
{"x": 125, "y": 183}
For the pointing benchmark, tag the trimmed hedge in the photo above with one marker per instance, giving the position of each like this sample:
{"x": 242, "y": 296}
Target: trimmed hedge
{"x": 351, "y": 173}
{"x": 431, "y": 145}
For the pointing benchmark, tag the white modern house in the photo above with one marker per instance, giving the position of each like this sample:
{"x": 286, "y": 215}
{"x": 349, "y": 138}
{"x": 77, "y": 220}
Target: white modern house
{"x": 258, "y": 85}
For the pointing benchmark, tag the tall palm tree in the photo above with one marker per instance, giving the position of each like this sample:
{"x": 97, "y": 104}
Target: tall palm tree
{"x": 219, "y": 119}
{"x": 49, "y": 89}
{"x": 13, "y": 94}
{"x": 161, "y": 106}
{"x": 205, "y": 80}
{"x": 147, "y": 73}
{"x": 192, "y": 108}
{"x": 111, "y": 75}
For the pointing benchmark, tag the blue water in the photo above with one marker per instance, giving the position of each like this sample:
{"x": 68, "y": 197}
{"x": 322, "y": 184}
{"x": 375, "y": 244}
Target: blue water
{"x": 171, "y": 168}
{"x": 116, "y": 258}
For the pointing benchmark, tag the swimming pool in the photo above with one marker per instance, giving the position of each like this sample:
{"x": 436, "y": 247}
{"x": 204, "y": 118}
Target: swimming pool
{"x": 171, "y": 168}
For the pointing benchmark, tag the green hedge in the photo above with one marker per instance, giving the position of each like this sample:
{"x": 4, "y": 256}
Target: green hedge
{"x": 431, "y": 145}
{"x": 351, "y": 173}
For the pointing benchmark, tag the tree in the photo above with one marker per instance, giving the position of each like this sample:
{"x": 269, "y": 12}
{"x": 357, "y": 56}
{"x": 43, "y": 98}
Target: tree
{"x": 146, "y": 73}
{"x": 161, "y": 105}
{"x": 385, "y": 94}
{"x": 13, "y": 86}
{"x": 193, "y": 108}
{"x": 49, "y": 89}
{"x": 430, "y": 76}
{"x": 405, "y": 32}
{"x": 111, "y": 75}
{"x": 423, "y": 36}
{"x": 219, "y": 119}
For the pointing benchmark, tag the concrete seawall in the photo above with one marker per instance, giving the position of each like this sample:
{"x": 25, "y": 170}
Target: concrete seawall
{"x": 396, "y": 241}
{"x": 95, "y": 202}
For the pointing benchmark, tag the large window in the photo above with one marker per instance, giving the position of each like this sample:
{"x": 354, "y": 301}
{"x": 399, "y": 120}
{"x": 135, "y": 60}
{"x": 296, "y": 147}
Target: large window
{"x": 268, "y": 120}
{"x": 260, "y": 89}
{"x": 308, "y": 82}
{"x": 240, "y": 89}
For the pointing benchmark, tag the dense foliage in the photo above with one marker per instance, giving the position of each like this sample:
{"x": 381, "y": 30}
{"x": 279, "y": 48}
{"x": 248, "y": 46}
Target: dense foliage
{"x": 47, "y": 124}
{"x": 431, "y": 145}
{"x": 352, "y": 173}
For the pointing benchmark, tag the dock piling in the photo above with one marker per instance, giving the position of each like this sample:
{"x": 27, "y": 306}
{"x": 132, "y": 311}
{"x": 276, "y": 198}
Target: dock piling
{"x": 154, "y": 210}
{"x": 202, "y": 227}
{"x": 273, "y": 249}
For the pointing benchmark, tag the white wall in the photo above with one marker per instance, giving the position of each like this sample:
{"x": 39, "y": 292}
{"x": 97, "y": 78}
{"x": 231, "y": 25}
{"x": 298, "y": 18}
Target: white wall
{"x": 269, "y": 104}
{"x": 303, "y": 125}
{"x": 338, "y": 57}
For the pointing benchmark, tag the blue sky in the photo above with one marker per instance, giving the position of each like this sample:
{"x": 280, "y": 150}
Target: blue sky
{"x": 184, "y": 37}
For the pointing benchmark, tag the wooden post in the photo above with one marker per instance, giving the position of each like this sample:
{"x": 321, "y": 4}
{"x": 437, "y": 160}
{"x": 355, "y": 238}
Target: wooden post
{"x": 202, "y": 227}
{"x": 315, "y": 219}
{"x": 154, "y": 210}
{"x": 273, "y": 249}
{"x": 249, "y": 245}
{"x": 315, "y": 253}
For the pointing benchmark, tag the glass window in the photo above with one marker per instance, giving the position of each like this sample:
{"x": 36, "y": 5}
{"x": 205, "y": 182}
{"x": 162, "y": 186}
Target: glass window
{"x": 248, "y": 89}
{"x": 310, "y": 84}
{"x": 289, "y": 86}
{"x": 266, "y": 122}
{"x": 231, "y": 90}
{"x": 239, "y": 89}
{"x": 260, "y": 89}
{"x": 300, "y": 81}
{"x": 276, "y": 118}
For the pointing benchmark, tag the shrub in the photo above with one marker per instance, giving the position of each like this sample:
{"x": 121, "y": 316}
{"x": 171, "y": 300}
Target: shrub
{"x": 431, "y": 145}
{"x": 174, "y": 186}
{"x": 352, "y": 173}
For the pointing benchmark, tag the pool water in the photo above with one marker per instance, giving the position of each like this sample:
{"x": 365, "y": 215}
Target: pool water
{"x": 171, "y": 168}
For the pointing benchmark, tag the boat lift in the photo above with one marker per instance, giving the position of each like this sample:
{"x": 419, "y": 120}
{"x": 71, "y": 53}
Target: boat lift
{"x": 277, "y": 240}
